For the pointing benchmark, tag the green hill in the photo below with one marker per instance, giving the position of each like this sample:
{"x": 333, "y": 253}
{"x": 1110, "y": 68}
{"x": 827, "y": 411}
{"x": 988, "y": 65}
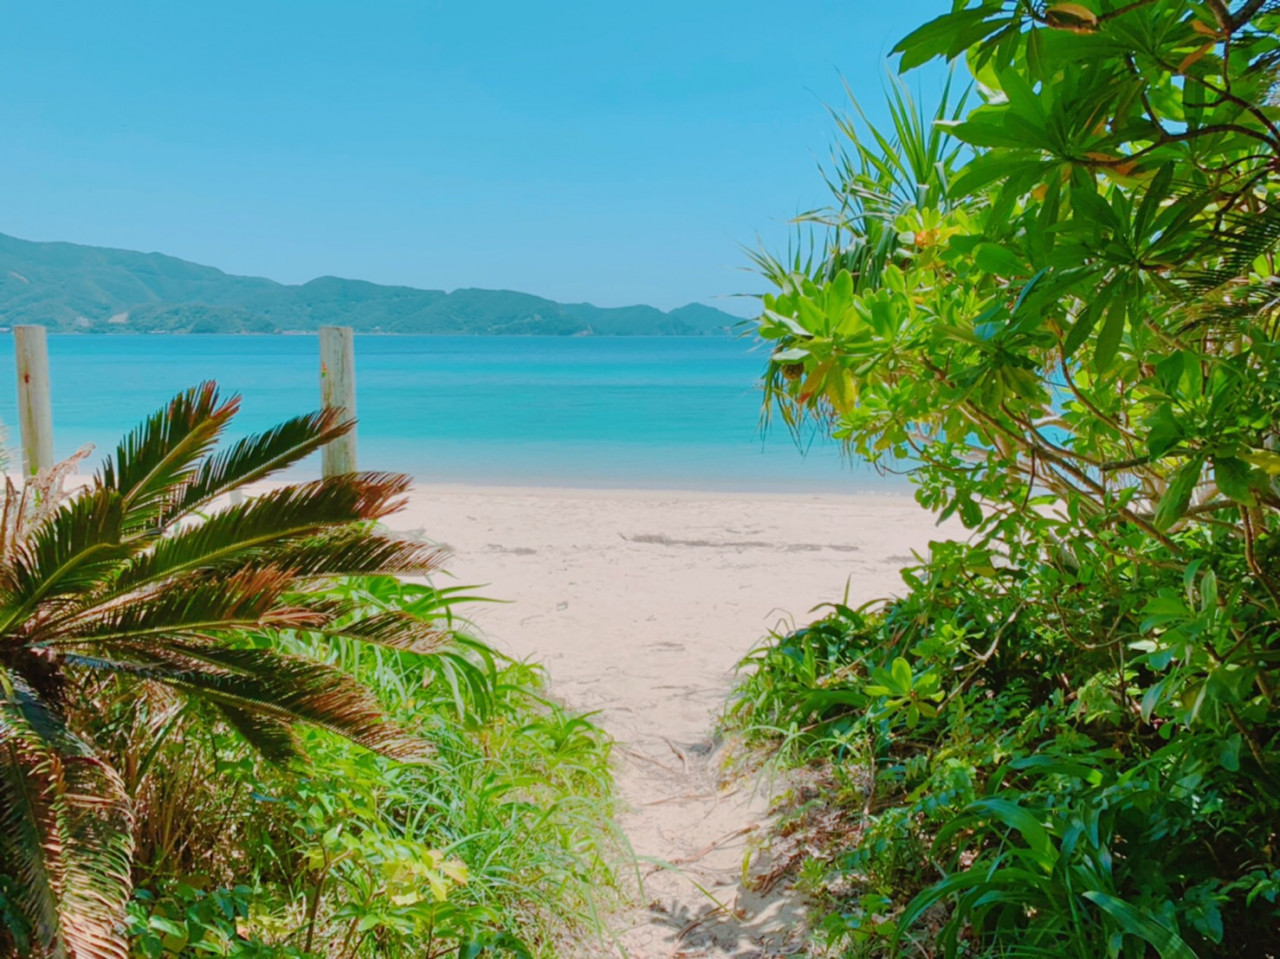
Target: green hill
{"x": 87, "y": 289}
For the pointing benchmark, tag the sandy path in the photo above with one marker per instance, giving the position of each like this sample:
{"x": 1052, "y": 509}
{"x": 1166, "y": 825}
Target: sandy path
{"x": 640, "y": 603}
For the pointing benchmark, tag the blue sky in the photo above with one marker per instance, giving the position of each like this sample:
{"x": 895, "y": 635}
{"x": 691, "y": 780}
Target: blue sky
{"x": 614, "y": 153}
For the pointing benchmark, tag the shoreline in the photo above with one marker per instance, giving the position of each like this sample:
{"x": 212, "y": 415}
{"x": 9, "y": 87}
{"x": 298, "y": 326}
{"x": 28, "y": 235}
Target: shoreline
{"x": 903, "y": 495}
{"x": 639, "y": 492}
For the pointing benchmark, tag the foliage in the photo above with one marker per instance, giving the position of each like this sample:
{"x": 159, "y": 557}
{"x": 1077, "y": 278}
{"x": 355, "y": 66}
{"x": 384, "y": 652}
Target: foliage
{"x": 501, "y": 844}
{"x": 1067, "y": 333}
{"x": 123, "y": 583}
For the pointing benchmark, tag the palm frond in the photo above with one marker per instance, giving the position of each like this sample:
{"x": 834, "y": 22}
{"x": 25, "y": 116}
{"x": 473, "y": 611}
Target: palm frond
{"x": 259, "y": 526}
{"x": 273, "y": 737}
{"x": 40, "y": 497}
{"x": 260, "y": 455}
{"x": 67, "y": 823}
{"x": 395, "y": 629}
{"x": 210, "y": 607}
{"x": 1245, "y": 237}
{"x": 876, "y": 175}
{"x": 285, "y": 688}
{"x": 1233, "y": 307}
{"x": 127, "y": 579}
{"x": 360, "y": 553}
{"x": 26, "y": 821}
{"x": 96, "y": 816}
{"x": 1222, "y": 295}
{"x": 273, "y": 686}
{"x": 71, "y": 553}
{"x": 164, "y": 451}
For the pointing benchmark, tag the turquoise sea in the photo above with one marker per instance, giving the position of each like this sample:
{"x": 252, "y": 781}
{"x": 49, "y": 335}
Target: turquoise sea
{"x": 649, "y": 412}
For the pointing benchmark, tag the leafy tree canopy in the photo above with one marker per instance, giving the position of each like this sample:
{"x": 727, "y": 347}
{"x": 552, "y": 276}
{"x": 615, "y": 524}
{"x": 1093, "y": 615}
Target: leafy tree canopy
{"x": 1054, "y": 300}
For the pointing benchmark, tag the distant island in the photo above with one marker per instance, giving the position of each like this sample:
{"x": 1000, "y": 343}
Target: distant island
{"x": 72, "y": 288}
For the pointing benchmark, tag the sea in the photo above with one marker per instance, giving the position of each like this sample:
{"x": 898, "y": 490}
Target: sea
{"x": 613, "y": 412}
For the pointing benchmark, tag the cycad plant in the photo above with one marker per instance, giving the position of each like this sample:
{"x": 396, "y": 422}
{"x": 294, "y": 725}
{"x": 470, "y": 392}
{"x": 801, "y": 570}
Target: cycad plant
{"x": 135, "y": 577}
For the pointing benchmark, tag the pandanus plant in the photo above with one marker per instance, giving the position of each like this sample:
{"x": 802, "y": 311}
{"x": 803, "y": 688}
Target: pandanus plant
{"x": 137, "y": 575}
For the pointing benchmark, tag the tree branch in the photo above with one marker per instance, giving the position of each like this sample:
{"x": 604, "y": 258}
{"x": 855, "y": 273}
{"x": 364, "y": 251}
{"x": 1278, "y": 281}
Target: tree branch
{"x": 1244, "y": 14}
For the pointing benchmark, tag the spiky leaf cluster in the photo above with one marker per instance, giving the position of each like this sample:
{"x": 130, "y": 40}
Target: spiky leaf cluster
{"x": 139, "y": 575}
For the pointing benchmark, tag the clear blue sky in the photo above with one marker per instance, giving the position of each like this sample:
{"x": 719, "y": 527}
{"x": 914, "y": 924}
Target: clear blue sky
{"x": 609, "y": 152}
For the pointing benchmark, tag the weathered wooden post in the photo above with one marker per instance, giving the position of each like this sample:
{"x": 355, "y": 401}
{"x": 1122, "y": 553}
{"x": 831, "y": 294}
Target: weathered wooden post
{"x": 35, "y": 415}
{"x": 338, "y": 389}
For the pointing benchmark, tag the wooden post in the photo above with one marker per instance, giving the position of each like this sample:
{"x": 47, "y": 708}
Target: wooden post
{"x": 338, "y": 389}
{"x": 35, "y": 415}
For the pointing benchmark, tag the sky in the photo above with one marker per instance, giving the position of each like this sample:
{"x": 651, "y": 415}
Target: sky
{"x": 603, "y": 152}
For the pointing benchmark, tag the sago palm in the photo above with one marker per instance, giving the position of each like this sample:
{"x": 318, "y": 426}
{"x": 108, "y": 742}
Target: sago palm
{"x": 134, "y": 576}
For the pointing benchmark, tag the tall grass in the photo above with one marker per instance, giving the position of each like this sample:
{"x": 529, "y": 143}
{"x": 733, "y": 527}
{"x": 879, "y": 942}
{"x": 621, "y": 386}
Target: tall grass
{"x": 503, "y": 843}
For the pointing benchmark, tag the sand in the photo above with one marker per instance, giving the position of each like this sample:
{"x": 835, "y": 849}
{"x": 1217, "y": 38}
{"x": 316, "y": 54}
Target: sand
{"x": 640, "y": 603}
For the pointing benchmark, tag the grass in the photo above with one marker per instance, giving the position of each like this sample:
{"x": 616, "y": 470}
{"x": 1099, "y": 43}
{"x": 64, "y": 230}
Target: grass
{"x": 503, "y": 843}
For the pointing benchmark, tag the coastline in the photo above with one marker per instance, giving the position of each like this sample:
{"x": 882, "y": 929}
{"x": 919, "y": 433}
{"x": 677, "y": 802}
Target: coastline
{"x": 606, "y": 412}
{"x": 768, "y": 491}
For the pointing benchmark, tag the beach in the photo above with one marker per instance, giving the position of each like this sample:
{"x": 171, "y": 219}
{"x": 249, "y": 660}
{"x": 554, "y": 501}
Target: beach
{"x": 639, "y": 604}
{"x": 658, "y": 539}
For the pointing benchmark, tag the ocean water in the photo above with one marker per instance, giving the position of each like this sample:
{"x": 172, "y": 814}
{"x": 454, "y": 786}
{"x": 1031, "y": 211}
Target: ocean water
{"x": 650, "y": 412}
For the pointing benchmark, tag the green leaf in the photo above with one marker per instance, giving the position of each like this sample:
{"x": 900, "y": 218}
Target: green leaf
{"x": 1234, "y": 479}
{"x": 1136, "y": 923}
{"x": 936, "y": 38}
{"x": 1266, "y": 460}
{"x": 991, "y": 132}
{"x": 999, "y": 260}
{"x": 1177, "y": 496}
{"x": 901, "y": 672}
{"x": 1021, "y": 821}
{"x": 790, "y": 355}
{"x": 1229, "y": 753}
{"x": 166, "y": 926}
{"x": 1027, "y": 290}
{"x": 986, "y": 168}
{"x": 1164, "y": 430}
{"x": 1104, "y": 351}
{"x": 1087, "y": 318}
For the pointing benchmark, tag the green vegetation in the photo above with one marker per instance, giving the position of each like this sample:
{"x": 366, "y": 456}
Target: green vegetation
{"x": 235, "y": 733}
{"x": 1056, "y": 305}
{"x": 499, "y": 845}
{"x": 85, "y": 289}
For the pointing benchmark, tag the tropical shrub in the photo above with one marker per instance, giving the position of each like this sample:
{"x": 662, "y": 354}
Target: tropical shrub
{"x": 501, "y": 844}
{"x": 130, "y": 585}
{"x": 1056, "y": 310}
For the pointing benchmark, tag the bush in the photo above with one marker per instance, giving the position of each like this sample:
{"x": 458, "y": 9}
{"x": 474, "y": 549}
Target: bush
{"x": 502, "y": 843}
{"x": 1056, "y": 309}
{"x": 195, "y": 704}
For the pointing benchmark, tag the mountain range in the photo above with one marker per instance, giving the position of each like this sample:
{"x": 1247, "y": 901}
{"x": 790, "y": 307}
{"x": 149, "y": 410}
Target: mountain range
{"x": 72, "y": 288}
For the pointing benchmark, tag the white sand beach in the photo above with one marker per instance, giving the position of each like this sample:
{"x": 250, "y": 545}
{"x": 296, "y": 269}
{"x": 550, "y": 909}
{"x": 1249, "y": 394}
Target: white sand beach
{"x": 639, "y": 603}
